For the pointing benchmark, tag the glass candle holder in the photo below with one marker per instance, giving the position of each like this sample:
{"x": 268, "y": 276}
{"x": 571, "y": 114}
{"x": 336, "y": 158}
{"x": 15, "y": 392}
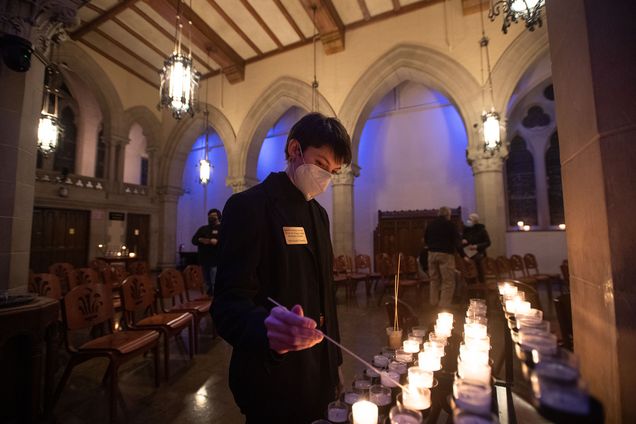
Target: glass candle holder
{"x": 469, "y": 353}
{"x": 398, "y": 367}
{"x": 419, "y": 331}
{"x": 545, "y": 343}
{"x": 434, "y": 337}
{"x": 477, "y": 311}
{"x": 371, "y": 373}
{"x": 479, "y": 343}
{"x": 337, "y": 412}
{"x": 429, "y": 361}
{"x": 361, "y": 386}
{"x": 472, "y": 370}
{"x": 364, "y": 412}
{"x": 417, "y": 398}
{"x": 381, "y": 361}
{"x": 476, "y": 319}
{"x": 523, "y": 323}
{"x": 565, "y": 398}
{"x": 419, "y": 339}
{"x": 476, "y": 303}
{"x": 434, "y": 347}
{"x": 472, "y": 396}
{"x": 410, "y": 346}
{"x": 562, "y": 366}
{"x": 443, "y": 330}
{"x": 394, "y": 337}
{"x": 401, "y": 415}
{"x": 419, "y": 377}
{"x": 350, "y": 397}
{"x": 445, "y": 318}
{"x": 475, "y": 330}
{"x": 532, "y": 315}
{"x": 381, "y": 396}
{"x": 390, "y": 378}
{"x": 389, "y": 352}
{"x": 402, "y": 355}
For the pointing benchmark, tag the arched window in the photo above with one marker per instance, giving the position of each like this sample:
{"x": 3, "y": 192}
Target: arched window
{"x": 100, "y": 159}
{"x": 522, "y": 191}
{"x": 553, "y": 174}
{"x": 64, "y": 160}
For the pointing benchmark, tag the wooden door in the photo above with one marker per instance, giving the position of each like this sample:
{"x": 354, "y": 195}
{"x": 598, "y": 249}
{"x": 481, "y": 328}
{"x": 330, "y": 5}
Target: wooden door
{"x": 138, "y": 234}
{"x": 59, "y": 235}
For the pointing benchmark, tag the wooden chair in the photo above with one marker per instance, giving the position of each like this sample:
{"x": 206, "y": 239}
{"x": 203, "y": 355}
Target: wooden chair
{"x": 87, "y": 276}
{"x": 91, "y": 276}
{"x": 504, "y": 267}
{"x": 87, "y": 306}
{"x": 172, "y": 289}
{"x": 139, "y": 298}
{"x": 341, "y": 278}
{"x": 139, "y": 268}
{"x": 103, "y": 270}
{"x": 65, "y": 272}
{"x": 363, "y": 266}
{"x": 354, "y": 276}
{"x": 518, "y": 271}
{"x": 47, "y": 285}
{"x": 193, "y": 278}
{"x": 491, "y": 270}
{"x": 530, "y": 262}
{"x": 531, "y": 293}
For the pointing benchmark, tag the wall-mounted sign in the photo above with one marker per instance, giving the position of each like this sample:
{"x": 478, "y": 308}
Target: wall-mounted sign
{"x": 117, "y": 216}
{"x": 71, "y": 231}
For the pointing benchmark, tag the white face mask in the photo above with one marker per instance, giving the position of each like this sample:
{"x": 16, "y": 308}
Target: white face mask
{"x": 469, "y": 223}
{"x": 311, "y": 179}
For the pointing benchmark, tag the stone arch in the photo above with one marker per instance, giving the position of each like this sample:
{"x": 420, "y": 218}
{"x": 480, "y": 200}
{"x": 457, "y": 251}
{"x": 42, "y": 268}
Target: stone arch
{"x": 526, "y": 50}
{"x": 180, "y": 140}
{"x": 408, "y": 62}
{"x": 284, "y": 93}
{"x": 73, "y": 59}
{"x": 148, "y": 121}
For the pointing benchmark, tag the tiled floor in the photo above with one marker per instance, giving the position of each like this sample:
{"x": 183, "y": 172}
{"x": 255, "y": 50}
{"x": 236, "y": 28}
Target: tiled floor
{"x": 197, "y": 391}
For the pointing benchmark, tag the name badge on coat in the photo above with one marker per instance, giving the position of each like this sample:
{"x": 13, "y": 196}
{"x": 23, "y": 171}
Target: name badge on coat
{"x": 295, "y": 235}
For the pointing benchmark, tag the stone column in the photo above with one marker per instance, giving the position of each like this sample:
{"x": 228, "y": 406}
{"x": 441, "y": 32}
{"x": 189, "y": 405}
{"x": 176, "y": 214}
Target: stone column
{"x": 116, "y": 157}
{"x": 490, "y": 197}
{"x": 343, "y": 217}
{"x": 241, "y": 183}
{"x": 592, "y": 45}
{"x": 20, "y": 106}
{"x": 168, "y": 198}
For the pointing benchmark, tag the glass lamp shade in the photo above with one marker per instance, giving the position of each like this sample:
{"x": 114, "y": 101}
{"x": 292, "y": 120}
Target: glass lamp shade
{"x": 48, "y": 133}
{"x": 491, "y": 131}
{"x": 525, "y": 7}
{"x": 179, "y": 85}
{"x": 205, "y": 171}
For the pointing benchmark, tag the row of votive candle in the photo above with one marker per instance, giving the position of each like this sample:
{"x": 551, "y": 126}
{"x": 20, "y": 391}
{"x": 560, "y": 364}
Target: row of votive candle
{"x": 472, "y": 390}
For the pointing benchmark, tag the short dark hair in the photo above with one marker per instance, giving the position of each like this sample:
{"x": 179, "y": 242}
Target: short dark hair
{"x": 218, "y": 212}
{"x": 317, "y": 130}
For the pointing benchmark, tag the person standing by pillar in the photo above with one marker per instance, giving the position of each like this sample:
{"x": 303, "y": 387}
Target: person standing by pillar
{"x": 442, "y": 239}
{"x": 207, "y": 241}
{"x": 475, "y": 240}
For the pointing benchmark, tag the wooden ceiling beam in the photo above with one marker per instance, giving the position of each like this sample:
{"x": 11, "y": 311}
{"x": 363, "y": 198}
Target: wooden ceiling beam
{"x": 236, "y": 28}
{"x": 290, "y": 19}
{"x": 104, "y": 17}
{"x": 126, "y": 50}
{"x": 204, "y": 37}
{"x": 329, "y": 24}
{"x": 474, "y": 6}
{"x": 364, "y": 9}
{"x": 262, "y": 23}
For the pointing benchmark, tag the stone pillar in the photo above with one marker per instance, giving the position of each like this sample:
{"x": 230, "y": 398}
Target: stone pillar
{"x": 490, "y": 197}
{"x": 240, "y": 184}
{"x": 592, "y": 45}
{"x": 20, "y": 106}
{"x": 116, "y": 158}
{"x": 343, "y": 217}
{"x": 168, "y": 198}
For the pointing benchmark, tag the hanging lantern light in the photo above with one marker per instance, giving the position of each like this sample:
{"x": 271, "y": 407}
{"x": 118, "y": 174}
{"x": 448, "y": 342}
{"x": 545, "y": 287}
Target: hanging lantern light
{"x": 49, "y": 128}
{"x": 491, "y": 130}
{"x": 205, "y": 171}
{"x": 179, "y": 79}
{"x": 513, "y": 10}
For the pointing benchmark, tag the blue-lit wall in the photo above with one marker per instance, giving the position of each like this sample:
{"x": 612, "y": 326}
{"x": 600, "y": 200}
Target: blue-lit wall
{"x": 272, "y": 155}
{"x": 198, "y": 199}
{"x": 412, "y": 156}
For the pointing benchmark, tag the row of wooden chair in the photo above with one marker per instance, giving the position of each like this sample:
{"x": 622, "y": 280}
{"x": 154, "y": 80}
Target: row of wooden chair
{"x": 348, "y": 272}
{"x": 70, "y": 277}
{"x": 90, "y": 306}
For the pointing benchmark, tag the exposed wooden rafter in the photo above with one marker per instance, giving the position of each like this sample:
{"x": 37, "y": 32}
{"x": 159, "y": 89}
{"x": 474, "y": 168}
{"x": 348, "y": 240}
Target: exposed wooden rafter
{"x": 329, "y": 24}
{"x": 393, "y": 13}
{"x": 126, "y": 50}
{"x": 104, "y": 17}
{"x": 364, "y": 9}
{"x": 236, "y": 28}
{"x": 290, "y": 19}
{"x": 262, "y": 23}
{"x": 473, "y": 6}
{"x": 204, "y": 37}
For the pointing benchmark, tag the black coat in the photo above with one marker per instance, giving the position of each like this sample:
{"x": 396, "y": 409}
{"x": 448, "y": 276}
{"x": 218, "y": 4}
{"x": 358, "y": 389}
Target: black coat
{"x": 255, "y": 262}
{"x": 478, "y": 236}
{"x": 208, "y": 254}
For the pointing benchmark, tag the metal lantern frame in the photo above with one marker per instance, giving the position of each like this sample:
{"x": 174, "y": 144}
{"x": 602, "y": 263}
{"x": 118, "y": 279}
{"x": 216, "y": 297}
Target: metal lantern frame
{"x": 514, "y": 10}
{"x": 49, "y": 126}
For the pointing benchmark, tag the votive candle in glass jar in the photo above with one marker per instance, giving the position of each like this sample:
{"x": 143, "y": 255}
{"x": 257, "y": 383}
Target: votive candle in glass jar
{"x": 417, "y": 398}
{"x": 429, "y": 361}
{"x": 419, "y": 377}
{"x": 364, "y": 412}
{"x": 404, "y": 356}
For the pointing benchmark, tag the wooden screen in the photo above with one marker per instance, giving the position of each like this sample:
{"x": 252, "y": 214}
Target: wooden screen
{"x": 403, "y": 231}
{"x": 59, "y": 235}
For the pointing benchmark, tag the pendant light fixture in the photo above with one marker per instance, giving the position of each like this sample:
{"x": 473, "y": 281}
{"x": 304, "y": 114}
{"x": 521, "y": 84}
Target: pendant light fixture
{"x": 491, "y": 130}
{"x": 513, "y": 10}
{"x": 49, "y": 127}
{"x": 205, "y": 168}
{"x": 179, "y": 79}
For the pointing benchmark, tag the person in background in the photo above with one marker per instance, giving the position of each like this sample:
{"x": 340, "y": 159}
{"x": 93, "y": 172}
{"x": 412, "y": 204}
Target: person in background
{"x": 275, "y": 243}
{"x": 207, "y": 241}
{"x": 475, "y": 240}
{"x": 442, "y": 240}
